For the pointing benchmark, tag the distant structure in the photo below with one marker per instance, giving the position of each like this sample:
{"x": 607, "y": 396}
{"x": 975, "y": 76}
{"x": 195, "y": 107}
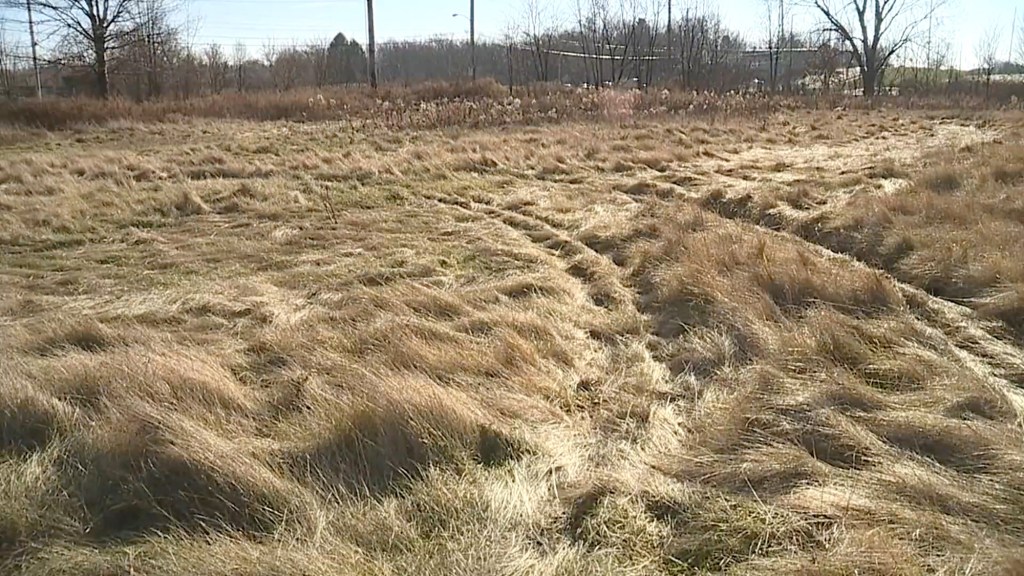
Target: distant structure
{"x": 797, "y": 66}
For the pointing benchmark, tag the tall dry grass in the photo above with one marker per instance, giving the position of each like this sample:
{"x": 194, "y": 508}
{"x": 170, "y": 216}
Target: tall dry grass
{"x": 274, "y": 348}
{"x": 952, "y": 226}
{"x": 462, "y": 104}
{"x": 439, "y": 105}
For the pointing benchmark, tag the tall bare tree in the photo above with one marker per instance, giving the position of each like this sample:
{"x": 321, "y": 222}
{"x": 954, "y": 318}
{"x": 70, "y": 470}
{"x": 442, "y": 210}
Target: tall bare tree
{"x": 692, "y": 41}
{"x": 875, "y": 31}
{"x": 290, "y": 67}
{"x": 648, "y": 39}
{"x": 188, "y": 79}
{"x": 152, "y": 44}
{"x": 9, "y": 56}
{"x": 104, "y": 25}
{"x": 239, "y": 55}
{"x": 539, "y": 36}
{"x": 828, "y": 60}
{"x": 217, "y": 68}
{"x": 269, "y": 55}
{"x": 708, "y": 50}
{"x": 618, "y": 36}
{"x": 986, "y": 53}
{"x": 1020, "y": 43}
{"x": 591, "y": 17}
{"x": 775, "y": 21}
{"x": 318, "y": 52}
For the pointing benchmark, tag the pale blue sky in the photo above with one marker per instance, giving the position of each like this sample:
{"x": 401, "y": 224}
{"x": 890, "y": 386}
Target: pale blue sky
{"x": 964, "y": 22}
{"x": 253, "y": 22}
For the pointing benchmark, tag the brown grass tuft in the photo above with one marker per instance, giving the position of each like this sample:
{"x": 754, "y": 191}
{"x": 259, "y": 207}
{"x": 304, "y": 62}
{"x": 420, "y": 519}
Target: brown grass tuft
{"x": 141, "y": 473}
{"x": 378, "y": 443}
{"x": 86, "y": 336}
{"x": 942, "y": 180}
{"x": 190, "y": 204}
{"x": 886, "y": 170}
{"x": 29, "y": 419}
{"x": 1007, "y": 306}
{"x": 1007, "y": 175}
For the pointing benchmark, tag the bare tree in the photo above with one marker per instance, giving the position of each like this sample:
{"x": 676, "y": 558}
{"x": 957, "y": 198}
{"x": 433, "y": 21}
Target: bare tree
{"x": 692, "y": 41}
{"x": 187, "y": 74}
{"x": 700, "y": 51}
{"x": 648, "y": 37}
{"x": 508, "y": 39}
{"x": 104, "y": 25}
{"x": 929, "y": 57}
{"x": 12, "y": 55}
{"x": 9, "y": 56}
{"x": 289, "y": 68}
{"x": 588, "y": 18}
{"x": 1020, "y": 43}
{"x": 319, "y": 58}
{"x": 929, "y": 49}
{"x": 618, "y": 36}
{"x": 152, "y": 45}
{"x": 157, "y": 54}
{"x": 708, "y": 51}
{"x": 217, "y": 68}
{"x": 269, "y": 54}
{"x": 985, "y": 52}
{"x": 539, "y": 36}
{"x": 239, "y": 55}
{"x": 875, "y": 31}
{"x": 775, "y": 20}
{"x": 940, "y": 55}
{"x": 616, "y": 39}
{"x": 826, "y": 62}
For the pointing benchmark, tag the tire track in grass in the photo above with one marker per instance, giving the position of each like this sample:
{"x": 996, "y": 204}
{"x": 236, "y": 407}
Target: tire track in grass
{"x": 966, "y": 338}
{"x": 598, "y": 274}
{"x": 628, "y": 374}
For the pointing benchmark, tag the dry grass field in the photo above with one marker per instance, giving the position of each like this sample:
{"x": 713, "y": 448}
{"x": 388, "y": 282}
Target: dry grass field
{"x": 632, "y": 346}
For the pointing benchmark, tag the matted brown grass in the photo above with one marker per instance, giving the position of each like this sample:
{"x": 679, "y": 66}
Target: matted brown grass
{"x": 630, "y": 347}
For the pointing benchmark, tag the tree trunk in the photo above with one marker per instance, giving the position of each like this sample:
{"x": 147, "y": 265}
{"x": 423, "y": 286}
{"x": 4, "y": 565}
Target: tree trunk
{"x": 153, "y": 88}
{"x": 102, "y": 80}
{"x": 869, "y": 78}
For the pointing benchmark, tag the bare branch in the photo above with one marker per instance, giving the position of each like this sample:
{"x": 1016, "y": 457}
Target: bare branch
{"x": 106, "y": 26}
{"x": 875, "y": 31}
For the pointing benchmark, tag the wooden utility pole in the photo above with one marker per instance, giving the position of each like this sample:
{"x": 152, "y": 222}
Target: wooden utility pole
{"x": 35, "y": 55}
{"x": 472, "y": 36}
{"x": 371, "y": 46}
{"x": 668, "y": 31}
